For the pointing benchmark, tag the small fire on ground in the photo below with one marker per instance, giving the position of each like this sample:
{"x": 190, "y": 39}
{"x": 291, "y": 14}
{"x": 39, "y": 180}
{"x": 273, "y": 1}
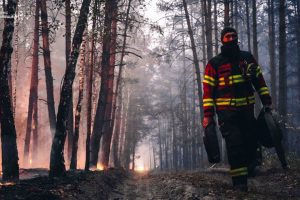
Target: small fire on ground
{"x": 7, "y": 183}
{"x": 99, "y": 167}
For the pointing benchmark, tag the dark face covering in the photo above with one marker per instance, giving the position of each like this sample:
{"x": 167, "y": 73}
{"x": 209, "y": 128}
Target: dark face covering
{"x": 231, "y": 50}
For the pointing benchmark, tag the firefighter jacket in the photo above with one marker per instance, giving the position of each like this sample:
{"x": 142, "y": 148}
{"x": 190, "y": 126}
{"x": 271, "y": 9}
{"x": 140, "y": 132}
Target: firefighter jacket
{"x": 230, "y": 85}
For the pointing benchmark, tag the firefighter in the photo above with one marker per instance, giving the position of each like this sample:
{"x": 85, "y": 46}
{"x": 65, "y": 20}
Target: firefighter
{"x": 229, "y": 82}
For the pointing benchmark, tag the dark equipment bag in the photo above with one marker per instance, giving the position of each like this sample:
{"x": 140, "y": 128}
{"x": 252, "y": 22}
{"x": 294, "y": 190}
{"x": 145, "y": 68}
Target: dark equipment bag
{"x": 211, "y": 143}
{"x": 270, "y": 134}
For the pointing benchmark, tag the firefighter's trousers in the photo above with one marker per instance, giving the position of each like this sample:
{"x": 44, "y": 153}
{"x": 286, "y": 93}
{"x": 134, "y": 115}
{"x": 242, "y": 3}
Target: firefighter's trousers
{"x": 238, "y": 130}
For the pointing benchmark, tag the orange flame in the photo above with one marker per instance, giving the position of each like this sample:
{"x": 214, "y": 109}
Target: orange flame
{"x": 100, "y": 166}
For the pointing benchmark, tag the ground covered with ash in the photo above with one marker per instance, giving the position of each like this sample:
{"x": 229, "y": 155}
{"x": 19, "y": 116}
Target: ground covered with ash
{"x": 76, "y": 185}
{"x": 271, "y": 182}
{"x": 210, "y": 184}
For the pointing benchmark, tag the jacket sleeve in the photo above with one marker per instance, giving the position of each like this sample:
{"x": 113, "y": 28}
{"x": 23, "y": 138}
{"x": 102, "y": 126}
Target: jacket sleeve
{"x": 259, "y": 84}
{"x": 209, "y": 85}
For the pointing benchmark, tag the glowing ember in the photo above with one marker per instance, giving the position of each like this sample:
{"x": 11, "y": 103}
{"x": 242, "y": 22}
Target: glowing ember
{"x": 7, "y": 183}
{"x": 100, "y": 166}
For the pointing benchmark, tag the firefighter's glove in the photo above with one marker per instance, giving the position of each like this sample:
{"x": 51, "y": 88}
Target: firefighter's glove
{"x": 207, "y": 121}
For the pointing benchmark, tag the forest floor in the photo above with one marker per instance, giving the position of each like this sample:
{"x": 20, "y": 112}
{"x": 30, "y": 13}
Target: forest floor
{"x": 270, "y": 183}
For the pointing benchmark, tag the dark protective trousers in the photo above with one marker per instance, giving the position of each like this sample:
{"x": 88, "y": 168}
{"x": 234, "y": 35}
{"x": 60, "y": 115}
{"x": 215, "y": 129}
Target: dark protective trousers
{"x": 238, "y": 130}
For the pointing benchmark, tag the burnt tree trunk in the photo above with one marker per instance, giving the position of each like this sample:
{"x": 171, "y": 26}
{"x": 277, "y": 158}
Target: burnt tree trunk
{"x": 90, "y": 91}
{"x": 57, "y": 163}
{"x": 33, "y": 86}
{"x": 117, "y": 117}
{"x": 108, "y": 128}
{"x": 73, "y": 164}
{"x": 282, "y": 103}
{"x": 10, "y": 166}
{"x": 47, "y": 65}
{"x": 70, "y": 122}
{"x": 102, "y": 100}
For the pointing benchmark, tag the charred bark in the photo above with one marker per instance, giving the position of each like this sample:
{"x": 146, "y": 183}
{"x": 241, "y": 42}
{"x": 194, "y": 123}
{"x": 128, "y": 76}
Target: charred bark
{"x": 47, "y": 65}
{"x": 90, "y": 91}
{"x": 57, "y": 166}
{"x": 102, "y": 100}
{"x": 32, "y": 103}
{"x": 73, "y": 164}
{"x": 70, "y": 124}
{"x": 282, "y": 103}
{"x": 108, "y": 128}
{"x": 10, "y": 166}
{"x": 118, "y": 83}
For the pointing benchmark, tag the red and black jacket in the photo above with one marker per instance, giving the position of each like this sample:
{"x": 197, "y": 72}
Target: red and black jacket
{"x": 227, "y": 87}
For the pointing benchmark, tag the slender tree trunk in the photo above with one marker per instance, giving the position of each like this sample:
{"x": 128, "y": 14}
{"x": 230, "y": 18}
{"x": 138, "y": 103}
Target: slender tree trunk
{"x": 10, "y": 166}
{"x": 195, "y": 57}
{"x": 194, "y": 136}
{"x": 107, "y": 129}
{"x": 226, "y": 13}
{"x": 73, "y": 164}
{"x": 248, "y": 25}
{"x": 90, "y": 91}
{"x": 70, "y": 122}
{"x": 203, "y": 35}
{"x": 298, "y": 48}
{"x": 166, "y": 147}
{"x": 254, "y": 21}
{"x": 236, "y": 14}
{"x": 35, "y": 128}
{"x": 57, "y": 166}
{"x": 117, "y": 131}
{"x": 184, "y": 127}
{"x": 208, "y": 28}
{"x": 174, "y": 137}
{"x": 124, "y": 126}
{"x": 282, "y": 104}
{"x": 47, "y": 64}
{"x": 216, "y": 28}
{"x": 272, "y": 51}
{"x": 160, "y": 145}
{"x": 14, "y": 96}
{"x": 102, "y": 100}
{"x": 33, "y": 86}
{"x": 69, "y": 126}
